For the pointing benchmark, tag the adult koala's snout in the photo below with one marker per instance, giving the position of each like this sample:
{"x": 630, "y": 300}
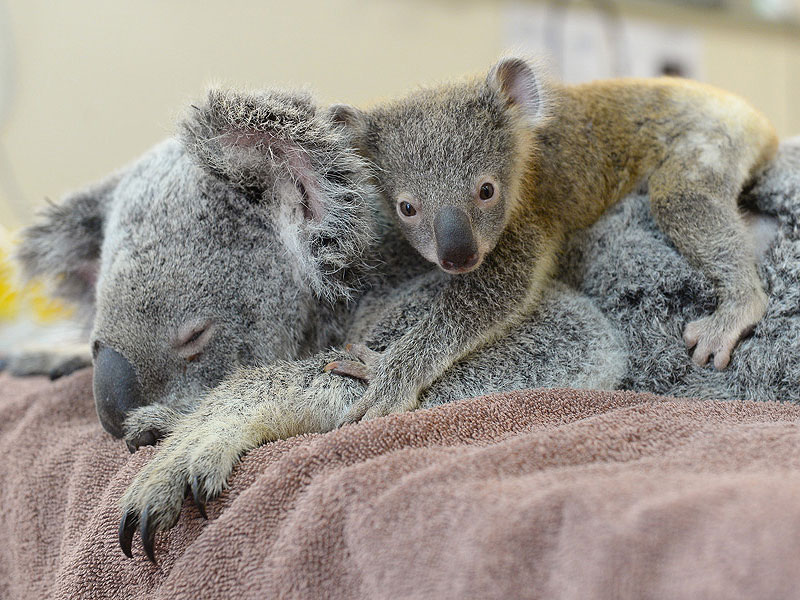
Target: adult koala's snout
{"x": 116, "y": 389}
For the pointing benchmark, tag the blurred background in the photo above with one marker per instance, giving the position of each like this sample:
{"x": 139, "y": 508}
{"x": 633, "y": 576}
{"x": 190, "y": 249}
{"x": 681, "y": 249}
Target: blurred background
{"x": 87, "y": 85}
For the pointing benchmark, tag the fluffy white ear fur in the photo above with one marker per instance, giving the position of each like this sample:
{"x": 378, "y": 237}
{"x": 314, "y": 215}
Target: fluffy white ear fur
{"x": 257, "y": 140}
{"x": 515, "y": 78}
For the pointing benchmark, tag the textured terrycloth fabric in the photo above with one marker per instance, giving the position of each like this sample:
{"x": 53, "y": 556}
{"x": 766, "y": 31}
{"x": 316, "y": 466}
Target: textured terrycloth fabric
{"x": 534, "y": 494}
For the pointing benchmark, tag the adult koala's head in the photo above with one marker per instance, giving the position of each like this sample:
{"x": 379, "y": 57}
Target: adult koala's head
{"x": 221, "y": 247}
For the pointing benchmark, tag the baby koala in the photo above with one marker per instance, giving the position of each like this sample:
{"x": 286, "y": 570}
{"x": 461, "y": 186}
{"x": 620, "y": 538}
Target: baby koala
{"x": 489, "y": 176}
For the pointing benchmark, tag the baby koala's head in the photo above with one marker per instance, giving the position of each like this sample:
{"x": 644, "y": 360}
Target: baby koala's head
{"x": 451, "y": 159}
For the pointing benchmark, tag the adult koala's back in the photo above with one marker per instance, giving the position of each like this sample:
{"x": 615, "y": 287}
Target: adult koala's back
{"x": 236, "y": 243}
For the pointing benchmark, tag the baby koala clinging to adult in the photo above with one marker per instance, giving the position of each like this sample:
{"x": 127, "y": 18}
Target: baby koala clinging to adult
{"x": 488, "y": 176}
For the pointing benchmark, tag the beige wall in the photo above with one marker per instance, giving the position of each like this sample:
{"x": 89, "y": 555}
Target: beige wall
{"x": 98, "y": 81}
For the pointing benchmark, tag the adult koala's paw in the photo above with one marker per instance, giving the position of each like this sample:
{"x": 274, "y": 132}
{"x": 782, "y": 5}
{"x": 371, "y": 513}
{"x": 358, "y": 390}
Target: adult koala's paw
{"x": 253, "y": 406}
{"x": 51, "y": 363}
{"x": 195, "y": 458}
{"x": 146, "y": 425}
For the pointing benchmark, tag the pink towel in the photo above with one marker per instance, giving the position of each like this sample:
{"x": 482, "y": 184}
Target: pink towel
{"x": 533, "y": 494}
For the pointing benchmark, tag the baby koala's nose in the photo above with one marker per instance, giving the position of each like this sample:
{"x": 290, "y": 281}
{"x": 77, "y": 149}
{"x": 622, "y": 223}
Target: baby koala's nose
{"x": 116, "y": 389}
{"x": 459, "y": 264}
{"x": 455, "y": 241}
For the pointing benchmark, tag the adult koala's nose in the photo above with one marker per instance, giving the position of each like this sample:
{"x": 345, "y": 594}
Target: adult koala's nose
{"x": 116, "y": 389}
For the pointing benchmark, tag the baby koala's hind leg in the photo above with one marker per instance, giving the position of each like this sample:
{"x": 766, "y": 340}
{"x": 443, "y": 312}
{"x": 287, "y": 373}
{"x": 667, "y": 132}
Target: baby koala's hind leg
{"x": 696, "y": 206}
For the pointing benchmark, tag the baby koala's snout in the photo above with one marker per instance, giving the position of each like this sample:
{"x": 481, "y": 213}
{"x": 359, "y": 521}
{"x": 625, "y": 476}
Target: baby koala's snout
{"x": 116, "y": 389}
{"x": 456, "y": 247}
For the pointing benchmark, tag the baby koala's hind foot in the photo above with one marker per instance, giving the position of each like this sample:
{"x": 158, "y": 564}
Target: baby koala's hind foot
{"x": 719, "y": 333}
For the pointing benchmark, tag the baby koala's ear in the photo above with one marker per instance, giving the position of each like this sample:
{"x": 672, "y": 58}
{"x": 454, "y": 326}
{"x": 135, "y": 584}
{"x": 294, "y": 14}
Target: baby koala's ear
{"x": 349, "y": 116}
{"x": 354, "y": 123}
{"x": 516, "y": 79}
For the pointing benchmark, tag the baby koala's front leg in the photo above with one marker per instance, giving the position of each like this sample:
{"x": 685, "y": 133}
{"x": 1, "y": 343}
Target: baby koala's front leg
{"x": 469, "y": 310}
{"x": 399, "y": 375}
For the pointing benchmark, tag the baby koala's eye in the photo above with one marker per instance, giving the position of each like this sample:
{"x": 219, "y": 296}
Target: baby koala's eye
{"x": 487, "y": 193}
{"x": 406, "y": 209}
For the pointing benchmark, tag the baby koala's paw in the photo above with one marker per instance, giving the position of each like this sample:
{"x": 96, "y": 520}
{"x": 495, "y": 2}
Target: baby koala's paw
{"x": 197, "y": 460}
{"x": 383, "y": 396}
{"x": 374, "y": 404}
{"x": 718, "y": 334}
{"x": 362, "y": 370}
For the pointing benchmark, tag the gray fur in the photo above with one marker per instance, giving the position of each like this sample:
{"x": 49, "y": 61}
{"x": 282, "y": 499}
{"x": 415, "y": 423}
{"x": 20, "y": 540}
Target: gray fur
{"x": 67, "y": 359}
{"x": 64, "y": 246}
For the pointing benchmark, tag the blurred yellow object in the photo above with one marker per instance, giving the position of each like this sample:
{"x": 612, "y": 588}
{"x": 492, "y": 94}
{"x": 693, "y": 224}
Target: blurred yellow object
{"x": 18, "y": 300}
{"x": 45, "y": 309}
{"x": 9, "y": 297}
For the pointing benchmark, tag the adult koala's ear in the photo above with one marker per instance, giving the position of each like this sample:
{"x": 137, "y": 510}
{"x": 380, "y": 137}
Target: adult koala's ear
{"x": 64, "y": 245}
{"x": 517, "y": 80}
{"x": 284, "y": 152}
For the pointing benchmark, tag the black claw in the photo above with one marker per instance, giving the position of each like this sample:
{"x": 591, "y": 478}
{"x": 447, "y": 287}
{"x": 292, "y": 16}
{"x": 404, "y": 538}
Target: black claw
{"x": 145, "y": 438}
{"x": 199, "y": 498}
{"x": 148, "y": 535}
{"x": 126, "y": 528}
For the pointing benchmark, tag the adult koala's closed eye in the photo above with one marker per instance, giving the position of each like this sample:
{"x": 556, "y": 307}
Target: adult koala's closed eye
{"x": 210, "y": 252}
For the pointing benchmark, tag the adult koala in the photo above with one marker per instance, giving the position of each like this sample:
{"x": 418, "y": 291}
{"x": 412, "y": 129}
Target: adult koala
{"x": 247, "y": 240}
{"x": 189, "y": 265}
{"x": 624, "y": 264}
